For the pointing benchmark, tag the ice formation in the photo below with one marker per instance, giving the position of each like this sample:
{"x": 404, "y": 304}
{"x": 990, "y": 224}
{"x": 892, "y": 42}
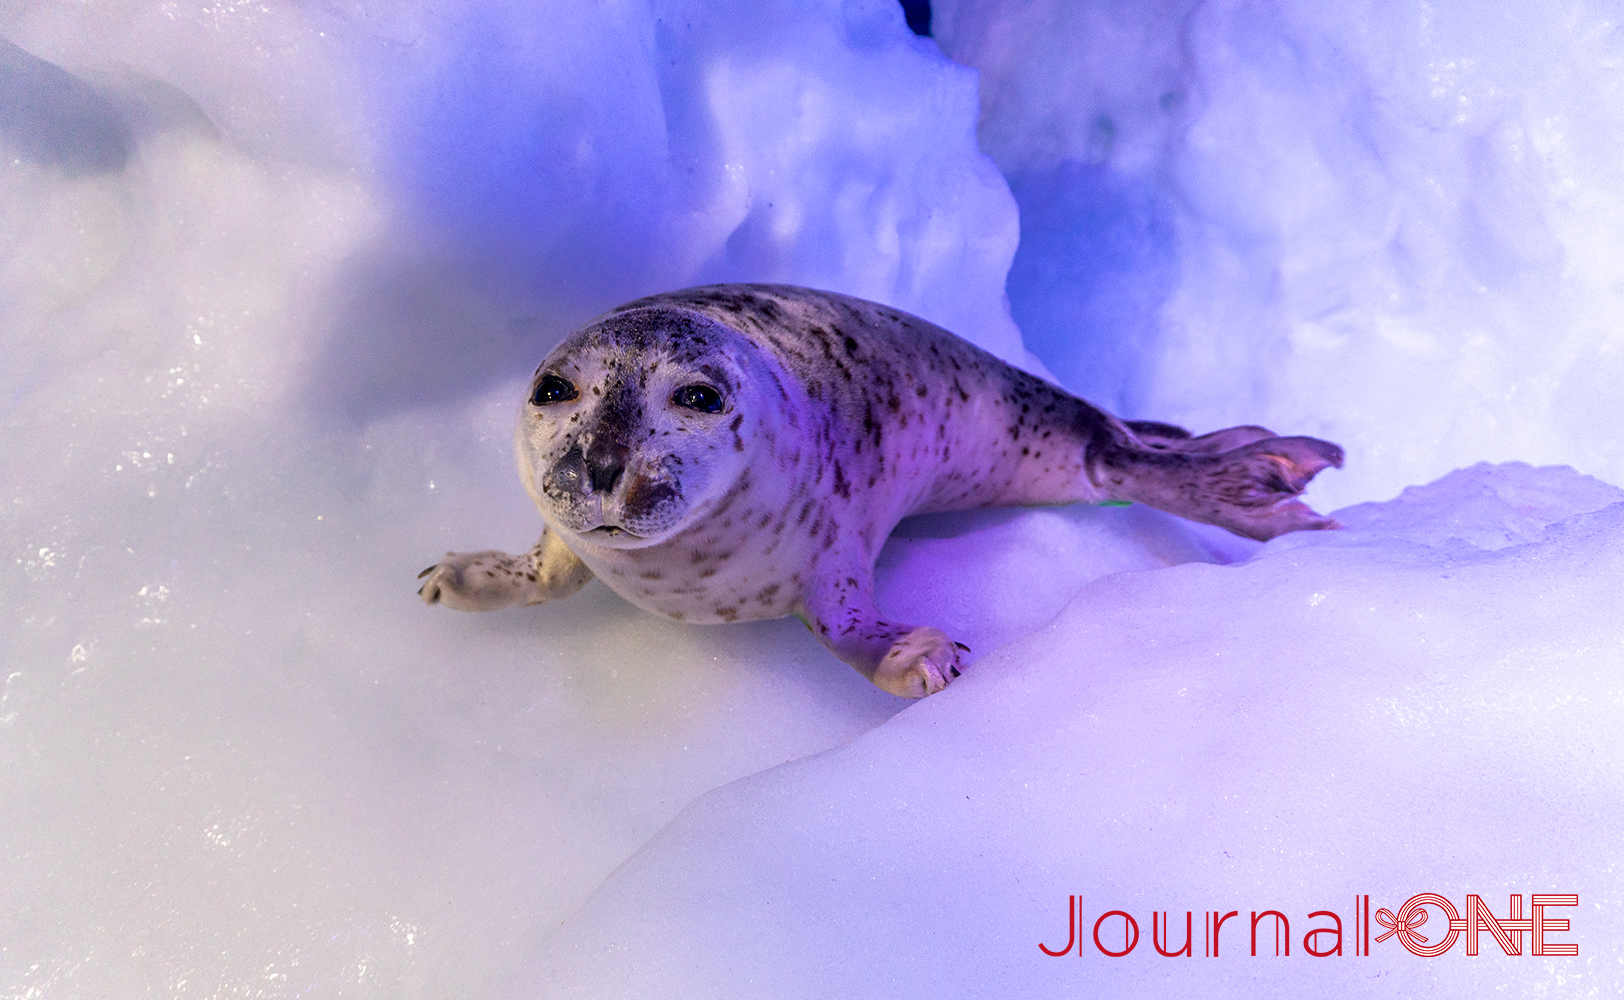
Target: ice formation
{"x": 1396, "y": 225}
{"x": 271, "y": 275}
{"x": 1427, "y": 702}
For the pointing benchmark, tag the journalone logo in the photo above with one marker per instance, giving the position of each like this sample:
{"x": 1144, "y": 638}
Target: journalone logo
{"x": 1333, "y": 939}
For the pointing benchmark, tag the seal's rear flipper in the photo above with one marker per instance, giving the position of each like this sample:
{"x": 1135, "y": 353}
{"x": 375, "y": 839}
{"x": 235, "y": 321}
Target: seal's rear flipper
{"x": 1167, "y": 437}
{"x": 1251, "y": 489}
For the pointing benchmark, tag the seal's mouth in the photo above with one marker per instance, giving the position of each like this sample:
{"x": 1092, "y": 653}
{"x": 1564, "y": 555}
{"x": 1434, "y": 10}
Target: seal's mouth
{"x": 612, "y": 536}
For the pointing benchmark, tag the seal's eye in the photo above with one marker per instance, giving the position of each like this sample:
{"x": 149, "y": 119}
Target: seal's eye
{"x": 552, "y": 389}
{"x": 699, "y": 397}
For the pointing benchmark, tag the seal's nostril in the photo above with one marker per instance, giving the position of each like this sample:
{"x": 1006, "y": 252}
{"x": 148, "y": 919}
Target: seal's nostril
{"x": 605, "y": 477}
{"x": 569, "y": 473}
{"x": 605, "y": 460}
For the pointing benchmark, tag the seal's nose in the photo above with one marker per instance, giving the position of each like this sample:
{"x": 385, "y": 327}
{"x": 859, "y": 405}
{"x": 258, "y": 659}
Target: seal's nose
{"x": 605, "y": 461}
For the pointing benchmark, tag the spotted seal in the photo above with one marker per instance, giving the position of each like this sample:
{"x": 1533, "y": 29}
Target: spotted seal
{"x": 739, "y": 452}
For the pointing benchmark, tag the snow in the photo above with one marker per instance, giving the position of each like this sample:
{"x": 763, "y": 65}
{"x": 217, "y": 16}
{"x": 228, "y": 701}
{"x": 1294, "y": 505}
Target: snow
{"x": 1394, "y": 225}
{"x": 272, "y": 275}
{"x": 1409, "y": 707}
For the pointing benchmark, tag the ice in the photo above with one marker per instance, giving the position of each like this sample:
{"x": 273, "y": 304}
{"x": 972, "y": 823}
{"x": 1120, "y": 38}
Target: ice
{"x": 1384, "y": 715}
{"x": 1393, "y": 225}
{"x": 272, "y": 276}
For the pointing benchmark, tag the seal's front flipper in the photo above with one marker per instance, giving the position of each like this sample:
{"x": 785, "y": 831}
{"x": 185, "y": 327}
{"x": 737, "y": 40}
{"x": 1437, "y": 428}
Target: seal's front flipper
{"x": 907, "y": 660}
{"x": 1251, "y": 490}
{"x": 919, "y": 662}
{"x": 485, "y": 581}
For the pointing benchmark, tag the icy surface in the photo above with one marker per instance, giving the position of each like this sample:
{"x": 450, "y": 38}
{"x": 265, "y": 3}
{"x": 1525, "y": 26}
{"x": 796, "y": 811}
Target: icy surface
{"x": 272, "y": 275}
{"x": 1414, "y": 706}
{"x": 1395, "y": 225}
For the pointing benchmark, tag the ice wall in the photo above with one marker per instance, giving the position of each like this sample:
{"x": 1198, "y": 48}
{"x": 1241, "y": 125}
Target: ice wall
{"x": 1395, "y": 225}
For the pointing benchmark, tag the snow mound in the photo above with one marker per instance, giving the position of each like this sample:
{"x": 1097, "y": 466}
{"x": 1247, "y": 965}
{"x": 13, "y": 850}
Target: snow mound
{"x": 1371, "y": 712}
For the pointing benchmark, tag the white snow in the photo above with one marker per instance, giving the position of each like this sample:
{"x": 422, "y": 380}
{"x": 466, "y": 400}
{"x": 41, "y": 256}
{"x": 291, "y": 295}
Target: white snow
{"x": 1396, "y": 225}
{"x": 1408, "y": 706}
{"x": 272, "y": 275}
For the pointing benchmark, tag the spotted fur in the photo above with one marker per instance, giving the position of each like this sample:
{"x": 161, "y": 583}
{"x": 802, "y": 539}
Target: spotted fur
{"x": 837, "y": 418}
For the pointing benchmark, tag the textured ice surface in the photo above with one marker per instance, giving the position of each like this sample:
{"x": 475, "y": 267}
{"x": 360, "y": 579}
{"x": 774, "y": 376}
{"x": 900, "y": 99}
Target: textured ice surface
{"x": 272, "y": 275}
{"x": 1415, "y": 707}
{"x": 1396, "y": 225}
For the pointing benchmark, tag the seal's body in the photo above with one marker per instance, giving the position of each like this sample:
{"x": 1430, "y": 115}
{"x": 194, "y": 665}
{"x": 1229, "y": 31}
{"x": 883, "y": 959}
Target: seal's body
{"x": 737, "y": 452}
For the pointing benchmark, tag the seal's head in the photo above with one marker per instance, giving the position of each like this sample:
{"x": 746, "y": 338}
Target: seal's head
{"x": 640, "y": 423}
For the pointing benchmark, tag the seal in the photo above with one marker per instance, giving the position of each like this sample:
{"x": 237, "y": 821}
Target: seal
{"x": 738, "y": 452}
